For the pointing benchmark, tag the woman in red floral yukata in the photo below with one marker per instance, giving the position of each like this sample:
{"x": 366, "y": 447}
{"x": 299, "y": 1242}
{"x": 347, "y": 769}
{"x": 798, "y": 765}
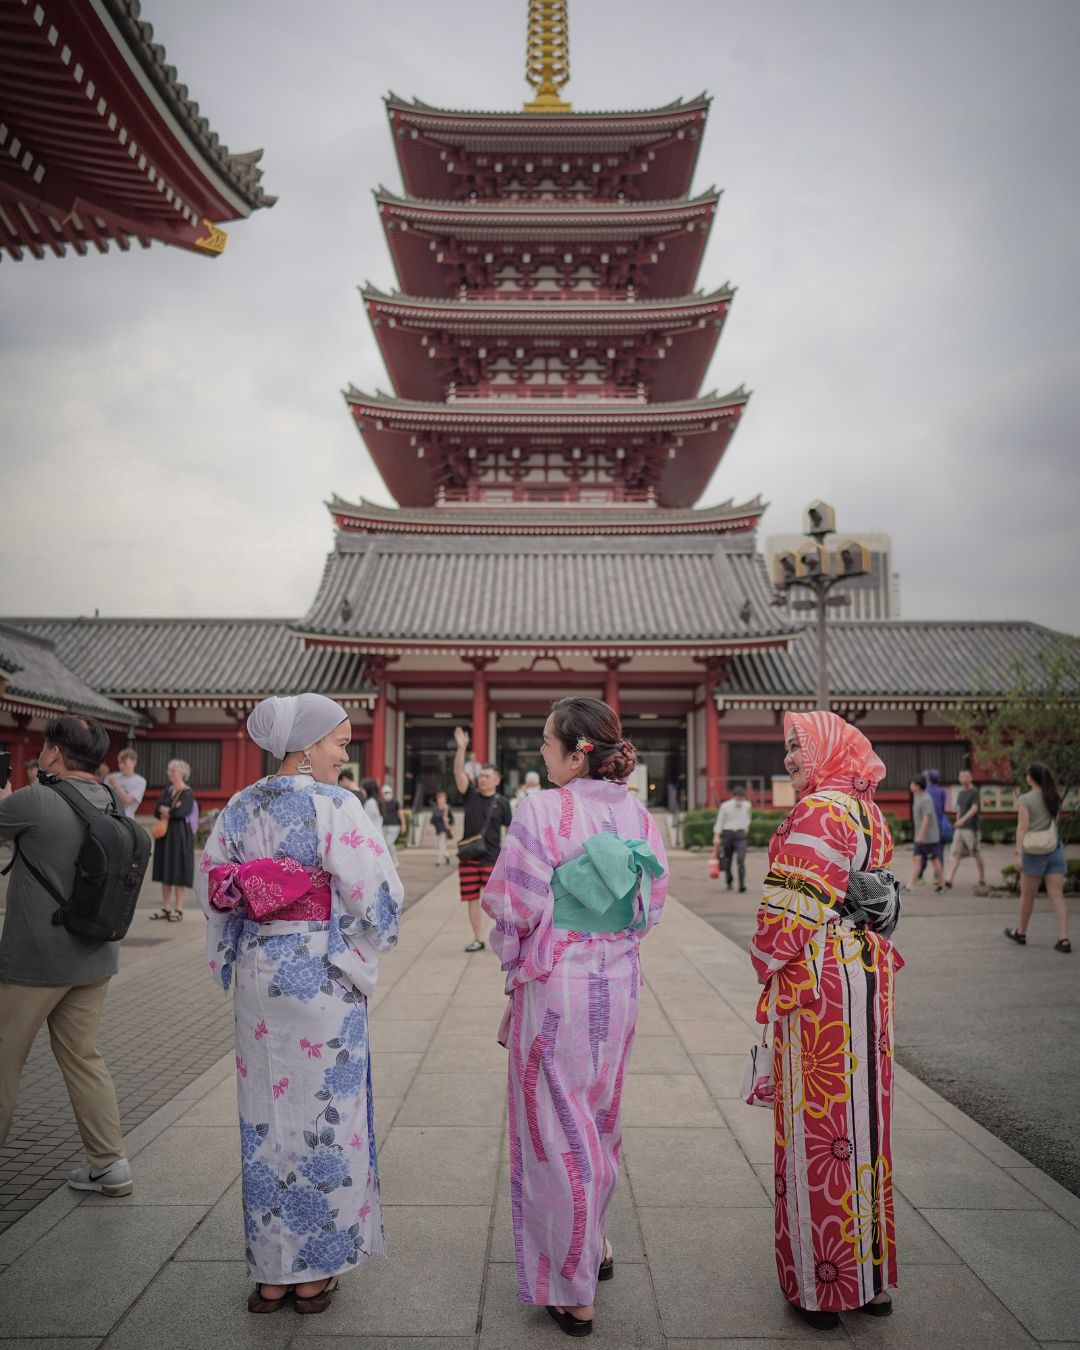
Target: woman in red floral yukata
{"x": 822, "y": 952}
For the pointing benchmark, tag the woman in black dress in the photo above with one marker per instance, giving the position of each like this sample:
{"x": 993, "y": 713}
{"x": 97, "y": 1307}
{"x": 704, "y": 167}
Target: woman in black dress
{"x": 174, "y": 854}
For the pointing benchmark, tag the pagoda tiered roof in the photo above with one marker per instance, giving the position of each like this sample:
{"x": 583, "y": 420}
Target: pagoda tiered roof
{"x": 676, "y": 338}
{"x": 541, "y": 518}
{"x": 431, "y": 241}
{"x": 481, "y": 594}
{"x": 446, "y": 153}
{"x": 100, "y": 141}
{"x": 420, "y": 448}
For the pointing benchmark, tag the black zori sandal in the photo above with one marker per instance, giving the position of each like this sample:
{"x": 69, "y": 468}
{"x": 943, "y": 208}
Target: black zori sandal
{"x": 1063, "y": 945}
{"x": 607, "y": 1265}
{"x": 820, "y": 1321}
{"x": 573, "y": 1326}
{"x": 1014, "y": 936}
{"x": 878, "y": 1309}
{"x": 258, "y": 1304}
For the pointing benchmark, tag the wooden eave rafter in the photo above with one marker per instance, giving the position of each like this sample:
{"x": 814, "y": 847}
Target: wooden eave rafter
{"x": 422, "y": 647}
{"x": 91, "y": 148}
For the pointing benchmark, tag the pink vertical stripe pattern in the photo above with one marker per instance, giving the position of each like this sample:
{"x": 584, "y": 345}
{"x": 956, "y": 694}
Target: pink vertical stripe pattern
{"x": 575, "y": 1005}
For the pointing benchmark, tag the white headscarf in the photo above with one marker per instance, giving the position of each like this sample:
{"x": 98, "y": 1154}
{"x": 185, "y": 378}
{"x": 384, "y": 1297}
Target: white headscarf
{"x": 294, "y": 722}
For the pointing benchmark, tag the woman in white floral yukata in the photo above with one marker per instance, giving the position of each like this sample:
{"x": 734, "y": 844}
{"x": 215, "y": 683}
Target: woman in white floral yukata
{"x": 301, "y": 898}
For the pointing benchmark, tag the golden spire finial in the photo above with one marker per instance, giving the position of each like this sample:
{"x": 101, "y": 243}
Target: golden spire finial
{"x": 547, "y": 59}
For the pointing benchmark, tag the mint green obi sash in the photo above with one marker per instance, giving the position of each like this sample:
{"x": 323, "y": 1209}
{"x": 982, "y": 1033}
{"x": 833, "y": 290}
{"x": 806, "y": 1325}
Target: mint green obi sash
{"x": 596, "y": 893}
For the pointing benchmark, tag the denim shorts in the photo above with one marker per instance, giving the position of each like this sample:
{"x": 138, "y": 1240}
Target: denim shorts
{"x": 1044, "y": 864}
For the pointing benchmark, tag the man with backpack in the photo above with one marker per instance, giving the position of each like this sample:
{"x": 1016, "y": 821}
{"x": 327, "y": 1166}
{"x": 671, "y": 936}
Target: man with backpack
{"x": 49, "y": 971}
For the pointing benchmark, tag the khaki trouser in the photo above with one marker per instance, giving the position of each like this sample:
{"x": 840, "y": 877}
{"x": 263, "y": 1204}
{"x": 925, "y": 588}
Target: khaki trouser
{"x": 74, "y": 1016}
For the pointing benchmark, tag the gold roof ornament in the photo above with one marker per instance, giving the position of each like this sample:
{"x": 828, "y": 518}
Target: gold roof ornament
{"x": 215, "y": 239}
{"x": 547, "y": 56}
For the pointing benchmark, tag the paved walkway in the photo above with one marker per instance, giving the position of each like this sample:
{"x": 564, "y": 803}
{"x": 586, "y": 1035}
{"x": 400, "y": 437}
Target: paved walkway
{"x": 989, "y": 1246}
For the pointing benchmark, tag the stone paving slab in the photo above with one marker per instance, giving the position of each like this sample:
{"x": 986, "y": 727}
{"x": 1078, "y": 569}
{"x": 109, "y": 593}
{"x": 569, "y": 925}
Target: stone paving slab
{"x": 691, "y": 1220}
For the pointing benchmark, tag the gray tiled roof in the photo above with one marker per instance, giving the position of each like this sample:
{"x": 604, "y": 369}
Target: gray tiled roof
{"x": 241, "y": 169}
{"x": 896, "y": 660}
{"x": 143, "y": 659}
{"x": 38, "y": 677}
{"x": 476, "y": 589}
{"x": 562, "y": 518}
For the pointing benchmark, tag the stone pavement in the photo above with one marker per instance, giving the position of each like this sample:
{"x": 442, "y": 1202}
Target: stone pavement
{"x": 989, "y": 1246}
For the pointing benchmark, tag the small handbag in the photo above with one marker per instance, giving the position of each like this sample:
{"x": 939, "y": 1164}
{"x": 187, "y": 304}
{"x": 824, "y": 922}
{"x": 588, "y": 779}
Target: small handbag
{"x": 1041, "y": 842}
{"x": 159, "y": 827}
{"x": 757, "y": 1083}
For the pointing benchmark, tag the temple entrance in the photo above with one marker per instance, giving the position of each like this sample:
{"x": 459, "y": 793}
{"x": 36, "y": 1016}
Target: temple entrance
{"x": 429, "y": 759}
{"x": 517, "y": 750}
{"x": 661, "y": 747}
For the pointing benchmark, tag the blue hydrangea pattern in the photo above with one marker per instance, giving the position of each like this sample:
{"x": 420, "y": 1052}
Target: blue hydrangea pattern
{"x": 301, "y": 977}
{"x": 304, "y": 1209}
{"x": 344, "y": 1080}
{"x": 330, "y": 1251}
{"x": 251, "y": 1137}
{"x": 326, "y": 1166}
{"x": 386, "y": 910}
{"x": 260, "y": 1187}
{"x": 354, "y": 1031}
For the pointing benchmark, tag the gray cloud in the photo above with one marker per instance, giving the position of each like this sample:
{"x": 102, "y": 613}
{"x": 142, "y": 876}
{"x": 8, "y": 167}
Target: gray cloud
{"x": 899, "y": 215}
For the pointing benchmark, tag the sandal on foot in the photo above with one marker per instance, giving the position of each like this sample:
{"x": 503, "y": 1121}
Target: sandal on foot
{"x": 878, "y": 1309}
{"x": 318, "y": 1303}
{"x": 1014, "y": 936}
{"x": 1063, "y": 945}
{"x": 573, "y": 1326}
{"x": 607, "y": 1265}
{"x": 820, "y": 1321}
{"x": 475, "y": 946}
{"x": 160, "y": 914}
{"x": 175, "y": 915}
{"x": 257, "y": 1303}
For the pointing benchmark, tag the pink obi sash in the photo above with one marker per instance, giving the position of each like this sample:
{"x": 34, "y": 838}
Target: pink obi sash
{"x": 271, "y": 889}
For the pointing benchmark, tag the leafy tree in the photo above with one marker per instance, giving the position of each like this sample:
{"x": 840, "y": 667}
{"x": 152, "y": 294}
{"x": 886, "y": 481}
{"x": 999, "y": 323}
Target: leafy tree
{"x": 1036, "y": 718}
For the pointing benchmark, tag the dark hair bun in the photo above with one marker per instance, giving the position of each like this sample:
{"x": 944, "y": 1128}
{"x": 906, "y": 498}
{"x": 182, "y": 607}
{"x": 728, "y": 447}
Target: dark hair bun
{"x": 616, "y": 762}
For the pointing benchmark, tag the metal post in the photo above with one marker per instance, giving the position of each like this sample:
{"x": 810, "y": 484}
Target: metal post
{"x": 820, "y": 588}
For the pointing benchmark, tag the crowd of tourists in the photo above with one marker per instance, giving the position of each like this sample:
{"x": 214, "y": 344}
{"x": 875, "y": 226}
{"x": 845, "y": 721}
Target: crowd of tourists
{"x": 300, "y": 891}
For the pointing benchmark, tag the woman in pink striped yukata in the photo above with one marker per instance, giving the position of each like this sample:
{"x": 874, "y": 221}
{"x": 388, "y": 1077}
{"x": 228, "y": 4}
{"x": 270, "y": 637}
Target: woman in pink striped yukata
{"x": 581, "y": 879}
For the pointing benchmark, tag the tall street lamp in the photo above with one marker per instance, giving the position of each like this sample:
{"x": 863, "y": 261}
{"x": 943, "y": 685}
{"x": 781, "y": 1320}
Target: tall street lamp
{"x": 819, "y": 569}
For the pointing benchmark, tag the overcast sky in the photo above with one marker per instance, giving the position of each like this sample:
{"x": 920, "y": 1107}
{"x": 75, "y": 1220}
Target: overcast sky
{"x": 901, "y": 216}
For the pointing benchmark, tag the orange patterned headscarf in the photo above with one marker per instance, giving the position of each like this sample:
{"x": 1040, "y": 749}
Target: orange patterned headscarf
{"x": 836, "y": 754}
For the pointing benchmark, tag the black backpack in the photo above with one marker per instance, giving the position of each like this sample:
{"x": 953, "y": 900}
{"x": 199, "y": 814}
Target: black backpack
{"x": 109, "y": 870}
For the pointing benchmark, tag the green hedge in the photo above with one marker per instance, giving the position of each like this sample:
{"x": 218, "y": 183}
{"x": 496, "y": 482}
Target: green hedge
{"x": 697, "y": 827}
{"x": 1011, "y": 876}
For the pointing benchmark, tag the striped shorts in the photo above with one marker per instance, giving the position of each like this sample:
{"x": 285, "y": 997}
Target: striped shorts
{"x": 473, "y": 877}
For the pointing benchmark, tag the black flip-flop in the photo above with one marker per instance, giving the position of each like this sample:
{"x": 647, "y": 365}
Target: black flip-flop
{"x": 176, "y": 915}
{"x": 160, "y": 914}
{"x": 1019, "y": 938}
{"x": 1063, "y": 945}
{"x": 873, "y": 1309}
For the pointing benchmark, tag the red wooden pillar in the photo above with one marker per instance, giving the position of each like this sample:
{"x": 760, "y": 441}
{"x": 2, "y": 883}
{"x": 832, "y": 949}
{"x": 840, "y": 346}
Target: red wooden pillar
{"x": 715, "y": 755}
{"x": 480, "y": 711}
{"x": 20, "y": 751}
{"x": 611, "y": 681}
{"x": 376, "y": 767}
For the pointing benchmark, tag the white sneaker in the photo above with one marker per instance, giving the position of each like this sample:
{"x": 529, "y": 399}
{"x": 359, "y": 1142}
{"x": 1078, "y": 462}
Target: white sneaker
{"x": 112, "y": 1180}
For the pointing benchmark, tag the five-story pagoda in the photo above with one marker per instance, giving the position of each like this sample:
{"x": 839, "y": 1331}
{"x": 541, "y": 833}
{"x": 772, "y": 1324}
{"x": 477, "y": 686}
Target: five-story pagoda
{"x": 546, "y": 442}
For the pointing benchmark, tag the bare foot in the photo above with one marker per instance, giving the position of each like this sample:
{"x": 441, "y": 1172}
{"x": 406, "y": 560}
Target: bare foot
{"x": 272, "y": 1292}
{"x": 583, "y": 1314}
{"x": 310, "y": 1289}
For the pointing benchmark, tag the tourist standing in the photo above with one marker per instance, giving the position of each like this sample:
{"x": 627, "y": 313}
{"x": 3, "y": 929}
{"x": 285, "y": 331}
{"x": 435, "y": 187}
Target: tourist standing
{"x": 442, "y": 822}
{"x": 174, "y": 853}
{"x": 486, "y": 813}
{"x": 301, "y": 900}
{"x": 581, "y": 879}
{"x": 372, "y": 809}
{"x": 928, "y": 844}
{"x": 965, "y": 840}
{"x": 48, "y": 974}
{"x": 391, "y": 820}
{"x": 129, "y": 786}
{"x": 1040, "y": 854}
{"x": 828, "y": 997}
{"x": 731, "y": 831}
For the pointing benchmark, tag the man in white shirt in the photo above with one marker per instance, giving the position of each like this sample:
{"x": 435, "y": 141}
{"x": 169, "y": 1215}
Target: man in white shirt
{"x": 730, "y": 832}
{"x": 130, "y": 786}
